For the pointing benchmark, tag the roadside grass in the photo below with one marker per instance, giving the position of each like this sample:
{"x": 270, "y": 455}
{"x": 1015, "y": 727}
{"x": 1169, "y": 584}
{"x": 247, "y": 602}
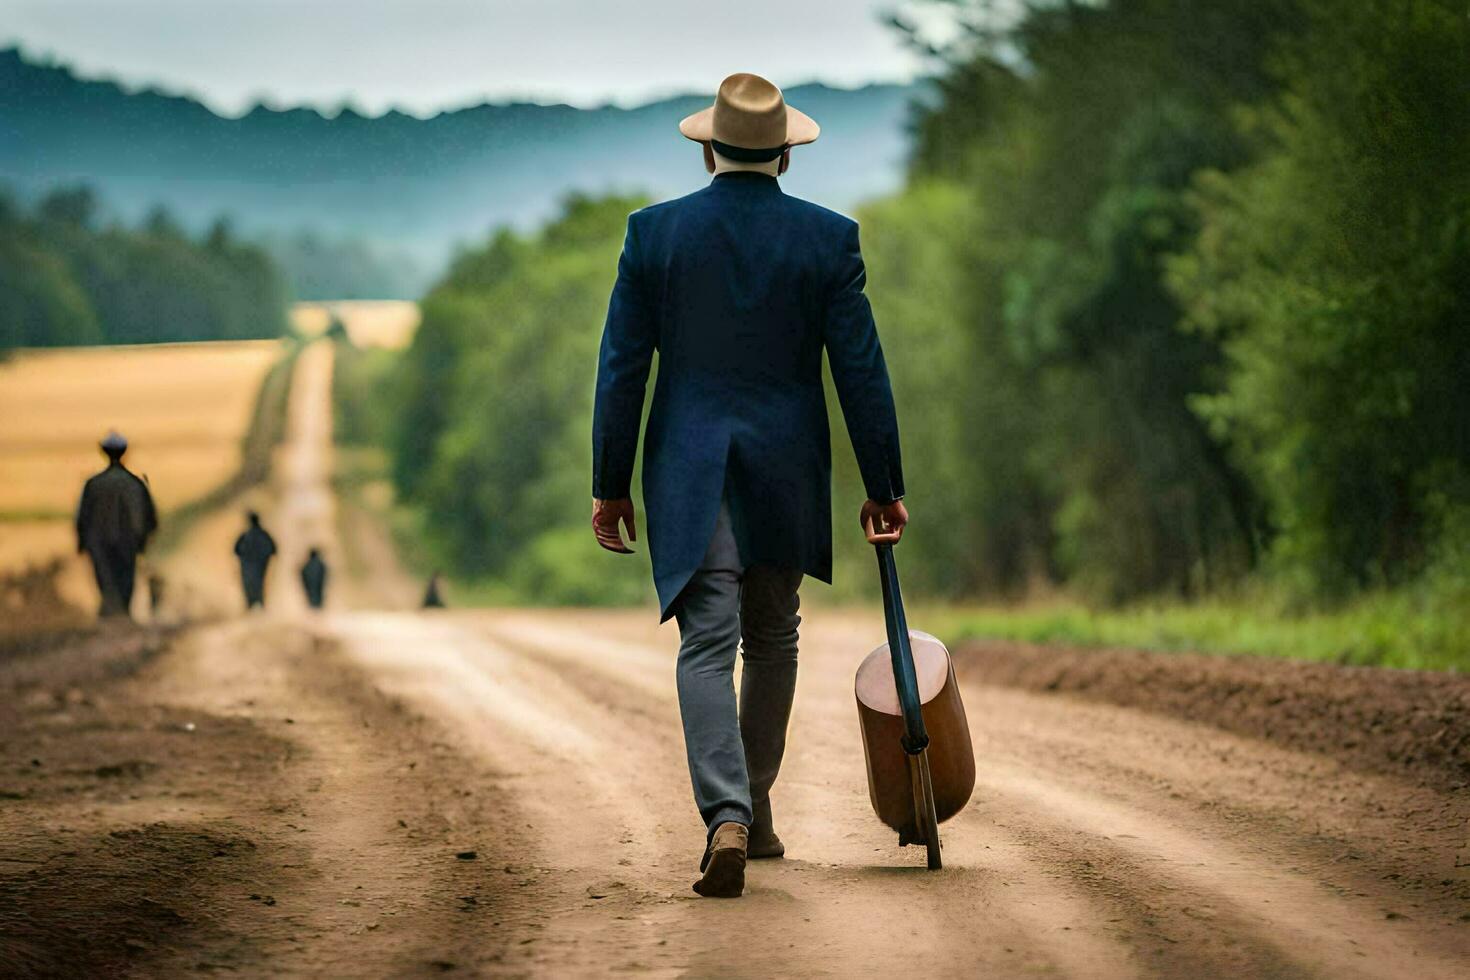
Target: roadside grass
{"x": 1420, "y": 627}
{"x": 361, "y": 481}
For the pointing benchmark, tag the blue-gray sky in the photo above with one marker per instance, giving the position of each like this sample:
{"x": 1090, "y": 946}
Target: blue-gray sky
{"x": 432, "y": 54}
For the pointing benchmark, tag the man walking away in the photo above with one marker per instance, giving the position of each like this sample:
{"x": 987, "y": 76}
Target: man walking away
{"x": 314, "y": 578}
{"x": 741, "y": 289}
{"x": 254, "y": 548}
{"x": 114, "y": 520}
{"x": 432, "y": 598}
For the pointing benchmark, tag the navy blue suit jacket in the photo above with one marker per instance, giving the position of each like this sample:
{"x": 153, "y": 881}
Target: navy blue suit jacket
{"x": 740, "y": 288}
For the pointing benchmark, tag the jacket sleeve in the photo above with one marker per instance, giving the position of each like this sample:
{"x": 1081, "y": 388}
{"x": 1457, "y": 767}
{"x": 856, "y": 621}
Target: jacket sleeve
{"x": 861, "y": 376}
{"x": 628, "y": 340}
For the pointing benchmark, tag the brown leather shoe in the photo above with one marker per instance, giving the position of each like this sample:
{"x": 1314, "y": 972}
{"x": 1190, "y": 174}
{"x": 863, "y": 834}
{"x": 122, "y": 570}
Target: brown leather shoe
{"x": 724, "y": 862}
{"x": 763, "y": 840}
{"x": 764, "y": 844}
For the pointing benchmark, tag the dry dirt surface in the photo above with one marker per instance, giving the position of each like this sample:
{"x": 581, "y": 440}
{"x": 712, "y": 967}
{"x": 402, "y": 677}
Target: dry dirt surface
{"x": 504, "y": 793}
{"x": 1414, "y": 724}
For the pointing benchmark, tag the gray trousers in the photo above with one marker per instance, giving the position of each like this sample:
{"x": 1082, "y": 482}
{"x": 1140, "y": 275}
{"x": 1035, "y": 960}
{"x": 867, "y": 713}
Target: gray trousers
{"x": 735, "y": 752}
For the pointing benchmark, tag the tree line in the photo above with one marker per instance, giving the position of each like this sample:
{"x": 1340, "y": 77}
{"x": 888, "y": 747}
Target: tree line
{"x": 67, "y": 279}
{"x": 1177, "y": 296}
{"x": 492, "y": 408}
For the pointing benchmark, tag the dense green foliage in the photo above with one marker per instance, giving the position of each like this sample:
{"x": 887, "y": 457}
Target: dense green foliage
{"x": 64, "y": 280}
{"x": 362, "y": 392}
{"x": 1176, "y": 302}
{"x": 1220, "y": 254}
{"x": 1076, "y": 135}
{"x": 1334, "y": 272}
{"x": 497, "y": 394}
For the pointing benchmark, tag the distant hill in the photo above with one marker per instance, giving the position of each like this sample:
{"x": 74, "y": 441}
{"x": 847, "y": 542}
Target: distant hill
{"x": 397, "y": 183}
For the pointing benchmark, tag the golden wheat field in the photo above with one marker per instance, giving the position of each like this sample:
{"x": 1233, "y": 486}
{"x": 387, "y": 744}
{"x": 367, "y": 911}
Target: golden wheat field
{"x": 183, "y": 407}
{"x": 369, "y": 323}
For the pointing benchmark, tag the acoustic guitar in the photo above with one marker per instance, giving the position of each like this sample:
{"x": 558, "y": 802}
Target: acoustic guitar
{"x": 916, "y": 739}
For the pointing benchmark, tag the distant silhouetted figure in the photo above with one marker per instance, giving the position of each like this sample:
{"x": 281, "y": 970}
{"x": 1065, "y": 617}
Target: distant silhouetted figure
{"x": 114, "y": 520}
{"x": 254, "y": 549}
{"x": 155, "y": 594}
{"x": 314, "y": 579}
{"x": 432, "y": 598}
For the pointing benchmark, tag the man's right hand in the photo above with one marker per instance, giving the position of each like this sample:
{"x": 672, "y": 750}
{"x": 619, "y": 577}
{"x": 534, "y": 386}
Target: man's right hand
{"x": 887, "y": 520}
{"x": 605, "y": 517}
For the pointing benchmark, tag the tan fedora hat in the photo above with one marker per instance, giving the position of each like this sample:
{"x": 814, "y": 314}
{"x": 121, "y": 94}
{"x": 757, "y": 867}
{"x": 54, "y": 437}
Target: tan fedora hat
{"x": 749, "y": 114}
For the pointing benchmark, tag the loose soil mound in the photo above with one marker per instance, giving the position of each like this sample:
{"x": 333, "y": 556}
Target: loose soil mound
{"x": 83, "y": 655}
{"x": 1407, "y": 723}
{"x": 113, "y": 849}
{"x": 94, "y": 905}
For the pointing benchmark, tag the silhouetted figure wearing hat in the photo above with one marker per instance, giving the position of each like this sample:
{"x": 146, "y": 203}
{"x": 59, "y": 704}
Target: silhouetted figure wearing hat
{"x": 254, "y": 548}
{"x": 314, "y": 578}
{"x": 114, "y": 520}
{"x": 432, "y": 598}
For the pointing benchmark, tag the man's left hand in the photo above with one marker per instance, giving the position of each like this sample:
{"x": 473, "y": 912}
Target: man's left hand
{"x": 883, "y": 523}
{"x": 605, "y": 517}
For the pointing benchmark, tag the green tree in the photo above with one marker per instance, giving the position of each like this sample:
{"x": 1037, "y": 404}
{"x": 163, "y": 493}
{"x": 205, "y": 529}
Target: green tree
{"x": 156, "y": 284}
{"x": 1336, "y": 273}
{"x": 497, "y": 417}
{"x": 1077, "y": 130}
{"x": 959, "y": 392}
{"x": 75, "y": 206}
{"x": 41, "y": 305}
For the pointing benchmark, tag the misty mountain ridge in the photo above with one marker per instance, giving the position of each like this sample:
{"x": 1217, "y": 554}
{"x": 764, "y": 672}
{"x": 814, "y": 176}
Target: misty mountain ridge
{"x": 398, "y": 184}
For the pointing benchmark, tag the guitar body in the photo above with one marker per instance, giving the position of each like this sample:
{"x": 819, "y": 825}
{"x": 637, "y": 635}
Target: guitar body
{"x": 951, "y": 756}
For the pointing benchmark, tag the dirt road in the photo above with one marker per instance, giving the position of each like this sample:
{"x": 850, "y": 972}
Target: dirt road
{"x": 504, "y": 793}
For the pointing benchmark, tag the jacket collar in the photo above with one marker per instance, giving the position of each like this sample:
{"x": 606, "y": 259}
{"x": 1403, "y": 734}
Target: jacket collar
{"x": 746, "y": 179}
